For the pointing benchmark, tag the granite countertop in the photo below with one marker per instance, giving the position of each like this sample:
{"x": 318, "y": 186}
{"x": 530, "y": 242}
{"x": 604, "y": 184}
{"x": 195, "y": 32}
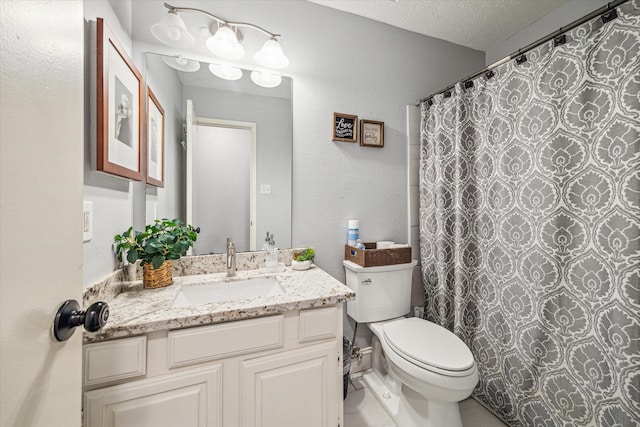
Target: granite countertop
{"x": 136, "y": 310}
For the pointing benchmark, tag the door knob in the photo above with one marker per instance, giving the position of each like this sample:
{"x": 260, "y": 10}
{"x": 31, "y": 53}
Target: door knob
{"x": 69, "y": 316}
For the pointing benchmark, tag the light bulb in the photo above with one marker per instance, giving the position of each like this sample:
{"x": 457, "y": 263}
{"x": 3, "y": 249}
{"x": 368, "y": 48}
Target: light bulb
{"x": 225, "y": 44}
{"x": 225, "y": 71}
{"x": 271, "y": 55}
{"x": 181, "y": 64}
{"x": 173, "y": 33}
{"x": 266, "y": 78}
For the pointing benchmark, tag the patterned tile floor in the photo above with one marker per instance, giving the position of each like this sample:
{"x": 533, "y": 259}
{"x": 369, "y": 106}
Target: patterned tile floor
{"x": 362, "y": 410}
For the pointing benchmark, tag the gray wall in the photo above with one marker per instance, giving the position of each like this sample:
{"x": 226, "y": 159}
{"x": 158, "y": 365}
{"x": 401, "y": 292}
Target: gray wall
{"x": 112, "y": 197}
{"x": 273, "y": 121}
{"x": 344, "y": 63}
{"x": 569, "y": 12}
{"x": 168, "y": 201}
{"x": 339, "y": 63}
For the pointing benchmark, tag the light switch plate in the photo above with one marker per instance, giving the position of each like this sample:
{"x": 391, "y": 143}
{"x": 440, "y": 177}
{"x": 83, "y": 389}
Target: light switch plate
{"x": 265, "y": 188}
{"x": 87, "y": 221}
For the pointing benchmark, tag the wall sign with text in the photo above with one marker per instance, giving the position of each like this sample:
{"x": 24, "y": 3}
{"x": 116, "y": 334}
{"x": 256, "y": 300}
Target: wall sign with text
{"x": 345, "y": 127}
{"x": 371, "y": 133}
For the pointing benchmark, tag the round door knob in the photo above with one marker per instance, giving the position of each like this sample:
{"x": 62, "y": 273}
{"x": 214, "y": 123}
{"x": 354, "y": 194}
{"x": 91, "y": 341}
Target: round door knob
{"x": 69, "y": 316}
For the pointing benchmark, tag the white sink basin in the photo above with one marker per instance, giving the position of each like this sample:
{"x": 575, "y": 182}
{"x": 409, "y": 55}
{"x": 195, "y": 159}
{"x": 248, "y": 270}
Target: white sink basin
{"x": 205, "y": 293}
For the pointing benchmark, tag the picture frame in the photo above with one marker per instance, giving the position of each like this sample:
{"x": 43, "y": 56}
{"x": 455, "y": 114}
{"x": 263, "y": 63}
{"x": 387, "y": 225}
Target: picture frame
{"x": 119, "y": 105}
{"x": 371, "y": 133}
{"x": 345, "y": 127}
{"x": 155, "y": 140}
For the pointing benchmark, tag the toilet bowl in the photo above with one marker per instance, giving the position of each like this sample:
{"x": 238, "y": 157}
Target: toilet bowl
{"x": 420, "y": 370}
{"x": 433, "y": 377}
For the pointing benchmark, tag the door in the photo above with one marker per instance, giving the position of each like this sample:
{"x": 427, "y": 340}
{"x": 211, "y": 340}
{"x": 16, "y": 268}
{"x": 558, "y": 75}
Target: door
{"x": 295, "y": 385}
{"x": 221, "y": 200}
{"x": 191, "y": 129}
{"x": 41, "y": 170}
{"x": 187, "y": 398}
{"x": 221, "y": 182}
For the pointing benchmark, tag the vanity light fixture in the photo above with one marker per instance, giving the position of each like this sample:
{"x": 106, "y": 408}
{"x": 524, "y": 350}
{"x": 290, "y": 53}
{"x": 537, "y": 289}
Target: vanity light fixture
{"x": 225, "y": 42}
{"x": 172, "y": 31}
{"x": 226, "y": 71}
{"x": 181, "y": 64}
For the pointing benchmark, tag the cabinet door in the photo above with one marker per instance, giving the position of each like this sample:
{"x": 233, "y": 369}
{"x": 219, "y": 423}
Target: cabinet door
{"x": 191, "y": 399}
{"x": 294, "y": 388}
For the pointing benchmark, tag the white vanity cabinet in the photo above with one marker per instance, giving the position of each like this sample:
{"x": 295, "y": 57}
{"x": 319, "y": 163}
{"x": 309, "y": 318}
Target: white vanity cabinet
{"x": 274, "y": 371}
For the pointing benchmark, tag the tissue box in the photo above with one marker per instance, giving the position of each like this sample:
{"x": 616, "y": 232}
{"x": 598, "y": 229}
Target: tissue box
{"x": 372, "y": 257}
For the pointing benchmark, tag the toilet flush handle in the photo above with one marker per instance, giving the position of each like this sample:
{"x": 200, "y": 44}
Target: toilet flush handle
{"x": 366, "y": 281}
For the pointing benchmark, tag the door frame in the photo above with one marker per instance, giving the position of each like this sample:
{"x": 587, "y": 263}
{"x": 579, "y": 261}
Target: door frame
{"x": 233, "y": 124}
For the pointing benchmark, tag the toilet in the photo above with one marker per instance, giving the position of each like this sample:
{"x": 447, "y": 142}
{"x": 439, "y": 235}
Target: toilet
{"x": 420, "y": 370}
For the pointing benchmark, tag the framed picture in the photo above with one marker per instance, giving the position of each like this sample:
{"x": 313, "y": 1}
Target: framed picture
{"x": 345, "y": 127}
{"x": 155, "y": 140}
{"x": 119, "y": 98}
{"x": 371, "y": 133}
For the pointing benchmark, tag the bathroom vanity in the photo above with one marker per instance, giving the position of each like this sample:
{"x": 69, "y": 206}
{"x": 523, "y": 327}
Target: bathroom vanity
{"x": 270, "y": 359}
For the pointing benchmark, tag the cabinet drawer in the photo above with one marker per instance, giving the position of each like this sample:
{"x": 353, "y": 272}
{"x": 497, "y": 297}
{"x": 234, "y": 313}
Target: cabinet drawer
{"x": 114, "y": 360}
{"x": 196, "y": 345}
{"x": 318, "y": 324}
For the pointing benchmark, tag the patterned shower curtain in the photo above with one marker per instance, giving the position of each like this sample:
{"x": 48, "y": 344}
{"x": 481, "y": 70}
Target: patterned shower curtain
{"x": 530, "y": 227}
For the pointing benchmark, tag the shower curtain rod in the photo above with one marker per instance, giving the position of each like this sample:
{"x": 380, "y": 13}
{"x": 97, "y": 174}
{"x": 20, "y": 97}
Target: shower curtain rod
{"x": 517, "y": 54}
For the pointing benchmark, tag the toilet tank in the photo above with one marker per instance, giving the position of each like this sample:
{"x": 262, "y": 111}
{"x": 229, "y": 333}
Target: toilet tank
{"x": 381, "y": 292}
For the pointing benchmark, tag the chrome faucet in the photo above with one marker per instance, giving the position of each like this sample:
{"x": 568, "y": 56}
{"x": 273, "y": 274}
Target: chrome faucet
{"x": 231, "y": 258}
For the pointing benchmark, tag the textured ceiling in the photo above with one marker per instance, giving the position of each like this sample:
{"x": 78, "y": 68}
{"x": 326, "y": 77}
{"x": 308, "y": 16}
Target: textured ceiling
{"x": 478, "y": 24}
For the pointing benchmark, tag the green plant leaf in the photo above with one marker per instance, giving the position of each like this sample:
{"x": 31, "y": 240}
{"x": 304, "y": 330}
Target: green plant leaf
{"x": 307, "y": 255}
{"x": 155, "y": 243}
{"x": 157, "y": 261}
{"x": 132, "y": 256}
{"x": 165, "y": 238}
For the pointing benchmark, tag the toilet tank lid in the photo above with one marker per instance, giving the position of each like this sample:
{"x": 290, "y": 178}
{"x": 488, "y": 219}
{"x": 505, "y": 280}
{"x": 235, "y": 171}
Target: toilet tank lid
{"x": 429, "y": 344}
{"x": 358, "y": 268}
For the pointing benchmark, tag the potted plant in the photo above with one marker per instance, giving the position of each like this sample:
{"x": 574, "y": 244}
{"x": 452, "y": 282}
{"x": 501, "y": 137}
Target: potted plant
{"x": 156, "y": 247}
{"x": 303, "y": 260}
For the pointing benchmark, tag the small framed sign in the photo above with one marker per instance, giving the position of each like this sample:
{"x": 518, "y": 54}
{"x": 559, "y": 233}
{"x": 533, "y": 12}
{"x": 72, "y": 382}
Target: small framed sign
{"x": 345, "y": 127}
{"x": 371, "y": 133}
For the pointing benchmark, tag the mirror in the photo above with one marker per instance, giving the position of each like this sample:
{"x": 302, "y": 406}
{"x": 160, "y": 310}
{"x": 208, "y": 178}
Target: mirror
{"x": 234, "y": 152}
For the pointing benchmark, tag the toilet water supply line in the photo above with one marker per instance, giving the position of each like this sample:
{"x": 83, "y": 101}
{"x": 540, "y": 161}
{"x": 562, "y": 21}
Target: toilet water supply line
{"x": 355, "y": 351}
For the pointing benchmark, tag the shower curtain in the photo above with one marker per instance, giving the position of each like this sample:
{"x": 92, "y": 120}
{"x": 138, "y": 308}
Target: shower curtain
{"x": 530, "y": 227}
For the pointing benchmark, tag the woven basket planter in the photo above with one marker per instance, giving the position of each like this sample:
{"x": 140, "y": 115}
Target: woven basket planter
{"x": 158, "y": 278}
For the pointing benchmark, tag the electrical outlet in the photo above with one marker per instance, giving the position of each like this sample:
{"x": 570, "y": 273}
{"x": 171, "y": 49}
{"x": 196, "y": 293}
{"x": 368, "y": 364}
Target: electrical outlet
{"x": 87, "y": 221}
{"x": 418, "y": 311}
{"x": 265, "y": 188}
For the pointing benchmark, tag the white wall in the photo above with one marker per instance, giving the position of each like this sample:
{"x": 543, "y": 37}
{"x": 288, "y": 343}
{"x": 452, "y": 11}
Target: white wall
{"x": 562, "y": 16}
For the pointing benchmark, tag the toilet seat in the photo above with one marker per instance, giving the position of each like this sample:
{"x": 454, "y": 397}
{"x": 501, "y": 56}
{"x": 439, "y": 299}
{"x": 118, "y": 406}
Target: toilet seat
{"x": 413, "y": 339}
